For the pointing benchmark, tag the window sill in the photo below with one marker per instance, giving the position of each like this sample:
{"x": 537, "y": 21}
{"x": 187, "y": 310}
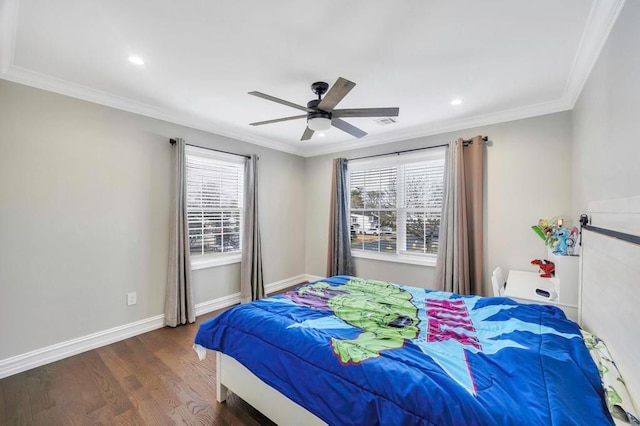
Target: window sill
{"x": 203, "y": 262}
{"x": 397, "y": 258}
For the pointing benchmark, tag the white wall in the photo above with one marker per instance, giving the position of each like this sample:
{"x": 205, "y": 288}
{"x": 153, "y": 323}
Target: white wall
{"x": 84, "y": 213}
{"x": 606, "y": 118}
{"x": 528, "y": 177}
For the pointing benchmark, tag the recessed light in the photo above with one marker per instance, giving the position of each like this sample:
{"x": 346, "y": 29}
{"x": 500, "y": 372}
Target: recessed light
{"x": 136, "y": 60}
{"x": 321, "y": 134}
{"x": 456, "y": 102}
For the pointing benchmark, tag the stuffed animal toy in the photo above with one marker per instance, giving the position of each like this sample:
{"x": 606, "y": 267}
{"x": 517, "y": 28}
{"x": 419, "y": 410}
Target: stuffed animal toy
{"x": 547, "y": 269}
{"x": 572, "y": 241}
{"x": 545, "y": 230}
{"x": 562, "y": 246}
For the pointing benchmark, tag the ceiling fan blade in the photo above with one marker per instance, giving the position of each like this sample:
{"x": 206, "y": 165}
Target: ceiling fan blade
{"x": 307, "y": 134}
{"x": 335, "y": 94}
{"x": 277, "y": 120}
{"x": 346, "y": 127}
{"x": 280, "y": 101}
{"x": 366, "y": 112}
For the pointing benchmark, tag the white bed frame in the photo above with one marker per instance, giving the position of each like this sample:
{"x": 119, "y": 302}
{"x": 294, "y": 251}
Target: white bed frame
{"x": 609, "y": 308}
{"x": 235, "y": 377}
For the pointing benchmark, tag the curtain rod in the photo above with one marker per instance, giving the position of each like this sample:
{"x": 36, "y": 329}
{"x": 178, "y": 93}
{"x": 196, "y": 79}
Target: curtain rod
{"x": 465, "y": 141}
{"x": 173, "y": 142}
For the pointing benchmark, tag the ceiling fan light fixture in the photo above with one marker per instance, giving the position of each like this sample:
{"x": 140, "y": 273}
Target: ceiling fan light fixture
{"x": 319, "y": 124}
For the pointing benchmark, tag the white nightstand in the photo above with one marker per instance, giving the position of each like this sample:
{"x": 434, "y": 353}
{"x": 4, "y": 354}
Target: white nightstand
{"x": 522, "y": 285}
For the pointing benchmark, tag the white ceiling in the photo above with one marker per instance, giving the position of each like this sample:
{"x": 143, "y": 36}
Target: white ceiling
{"x": 507, "y": 59}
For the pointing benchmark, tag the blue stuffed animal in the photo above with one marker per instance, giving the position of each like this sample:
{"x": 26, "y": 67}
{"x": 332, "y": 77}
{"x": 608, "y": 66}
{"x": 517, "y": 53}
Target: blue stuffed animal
{"x": 562, "y": 246}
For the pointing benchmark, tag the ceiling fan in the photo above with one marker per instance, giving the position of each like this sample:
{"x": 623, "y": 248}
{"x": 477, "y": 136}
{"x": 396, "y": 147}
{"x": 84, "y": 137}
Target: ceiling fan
{"x": 320, "y": 113}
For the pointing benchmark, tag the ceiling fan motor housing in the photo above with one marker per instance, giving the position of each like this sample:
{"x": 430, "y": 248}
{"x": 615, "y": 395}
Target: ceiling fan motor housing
{"x": 317, "y": 113}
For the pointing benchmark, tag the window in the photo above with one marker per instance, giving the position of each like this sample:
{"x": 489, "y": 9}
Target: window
{"x": 395, "y": 207}
{"x": 215, "y": 185}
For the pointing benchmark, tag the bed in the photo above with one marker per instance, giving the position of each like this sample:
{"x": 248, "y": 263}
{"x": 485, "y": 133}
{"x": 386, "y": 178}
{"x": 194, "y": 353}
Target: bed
{"x": 345, "y": 350}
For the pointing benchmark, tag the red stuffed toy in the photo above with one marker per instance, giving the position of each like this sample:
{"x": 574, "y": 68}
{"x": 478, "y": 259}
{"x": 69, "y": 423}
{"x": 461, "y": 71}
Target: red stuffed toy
{"x": 547, "y": 268}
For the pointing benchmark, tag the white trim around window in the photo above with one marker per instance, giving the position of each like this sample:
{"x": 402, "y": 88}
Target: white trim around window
{"x": 395, "y": 207}
{"x": 214, "y": 207}
{"x": 211, "y": 261}
{"x": 411, "y": 259}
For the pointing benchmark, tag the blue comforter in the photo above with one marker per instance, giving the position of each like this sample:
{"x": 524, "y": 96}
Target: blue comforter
{"x": 365, "y": 352}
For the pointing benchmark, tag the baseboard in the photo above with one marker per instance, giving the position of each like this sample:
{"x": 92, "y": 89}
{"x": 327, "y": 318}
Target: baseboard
{"x": 286, "y": 283}
{"x": 48, "y": 354}
{"x": 219, "y": 303}
{"x": 312, "y": 278}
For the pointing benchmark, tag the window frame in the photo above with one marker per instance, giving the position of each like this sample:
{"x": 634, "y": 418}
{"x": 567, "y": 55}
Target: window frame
{"x": 210, "y": 260}
{"x": 399, "y": 256}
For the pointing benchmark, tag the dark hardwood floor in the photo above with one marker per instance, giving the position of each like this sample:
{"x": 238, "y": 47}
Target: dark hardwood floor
{"x": 151, "y": 379}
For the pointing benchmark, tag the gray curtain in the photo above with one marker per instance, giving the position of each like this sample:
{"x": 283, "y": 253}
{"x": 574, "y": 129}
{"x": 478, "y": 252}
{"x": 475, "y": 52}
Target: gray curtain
{"x": 339, "y": 260}
{"x": 251, "y": 281}
{"x": 179, "y": 307}
{"x": 460, "y": 245}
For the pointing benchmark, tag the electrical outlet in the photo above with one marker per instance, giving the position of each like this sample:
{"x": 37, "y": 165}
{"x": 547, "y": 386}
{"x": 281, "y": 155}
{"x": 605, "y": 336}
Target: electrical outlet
{"x": 132, "y": 298}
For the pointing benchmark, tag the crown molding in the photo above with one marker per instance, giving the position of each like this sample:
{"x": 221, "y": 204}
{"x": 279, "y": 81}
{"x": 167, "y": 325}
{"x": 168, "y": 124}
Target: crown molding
{"x": 513, "y": 114}
{"x": 67, "y": 88}
{"x": 601, "y": 20}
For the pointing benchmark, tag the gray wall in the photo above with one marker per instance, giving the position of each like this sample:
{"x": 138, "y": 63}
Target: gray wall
{"x": 528, "y": 177}
{"x": 84, "y": 213}
{"x": 606, "y": 118}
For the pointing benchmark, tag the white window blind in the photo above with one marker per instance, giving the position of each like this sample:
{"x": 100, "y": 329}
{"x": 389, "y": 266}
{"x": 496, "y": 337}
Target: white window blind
{"x": 422, "y": 202}
{"x": 215, "y": 184}
{"x": 396, "y": 204}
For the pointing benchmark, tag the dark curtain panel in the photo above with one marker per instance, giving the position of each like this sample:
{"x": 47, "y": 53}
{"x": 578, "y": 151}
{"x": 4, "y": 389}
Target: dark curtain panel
{"x": 460, "y": 247}
{"x": 179, "y": 307}
{"x": 339, "y": 260}
{"x": 251, "y": 280}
